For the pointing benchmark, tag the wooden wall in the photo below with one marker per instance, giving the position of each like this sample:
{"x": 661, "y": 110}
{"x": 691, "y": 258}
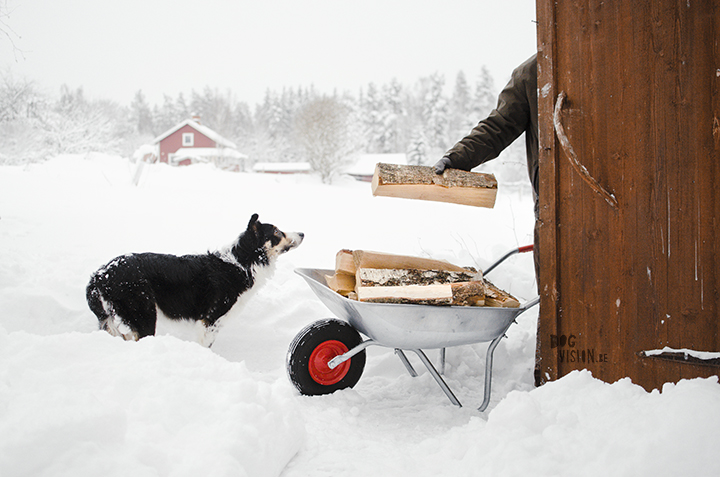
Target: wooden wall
{"x": 642, "y": 109}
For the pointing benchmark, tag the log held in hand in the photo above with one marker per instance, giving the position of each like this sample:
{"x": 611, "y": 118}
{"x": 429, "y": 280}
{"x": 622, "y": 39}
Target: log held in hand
{"x": 421, "y": 182}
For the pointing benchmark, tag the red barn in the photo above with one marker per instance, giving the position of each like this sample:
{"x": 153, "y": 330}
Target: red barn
{"x": 190, "y": 142}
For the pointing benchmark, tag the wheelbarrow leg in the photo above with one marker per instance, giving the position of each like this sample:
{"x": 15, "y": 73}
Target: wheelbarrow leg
{"x": 442, "y": 361}
{"x": 488, "y": 372}
{"x": 433, "y": 372}
{"x": 405, "y": 362}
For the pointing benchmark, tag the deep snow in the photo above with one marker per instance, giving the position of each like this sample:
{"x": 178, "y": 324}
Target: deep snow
{"x": 75, "y": 401}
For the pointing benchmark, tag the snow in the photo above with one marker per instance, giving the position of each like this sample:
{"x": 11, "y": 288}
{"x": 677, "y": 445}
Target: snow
{"x": 282, "y": 167}
{"x": 365, "y": 165}
{"x": 76, "y": 401}
{"x": 703, "y": 355}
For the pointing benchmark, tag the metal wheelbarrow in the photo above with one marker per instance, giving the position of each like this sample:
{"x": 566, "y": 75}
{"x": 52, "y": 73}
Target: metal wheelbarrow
{"x": 329, "y": 354}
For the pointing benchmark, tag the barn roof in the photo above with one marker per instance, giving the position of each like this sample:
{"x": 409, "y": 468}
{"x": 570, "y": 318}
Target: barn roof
{"x": 221, "y": 141}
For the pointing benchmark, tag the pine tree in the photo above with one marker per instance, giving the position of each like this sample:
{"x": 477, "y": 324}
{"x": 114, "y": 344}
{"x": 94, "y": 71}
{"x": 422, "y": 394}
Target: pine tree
{"x": 434, "y": 111}
{"x": 373, "y": 119}
{"x": 396, "y": 117}
{"x": 485, "y": 96}
{"x": 417, "y": 150}
{"x": 460, "y": 117}
{"x": 141, "y": 114}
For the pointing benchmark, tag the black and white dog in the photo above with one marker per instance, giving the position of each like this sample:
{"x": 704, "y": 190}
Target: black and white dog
{"x": 128, "y": 293}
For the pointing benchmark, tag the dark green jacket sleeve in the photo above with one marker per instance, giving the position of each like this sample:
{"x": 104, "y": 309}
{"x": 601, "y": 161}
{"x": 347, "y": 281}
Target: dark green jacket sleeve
{"x": 516, "y": 113}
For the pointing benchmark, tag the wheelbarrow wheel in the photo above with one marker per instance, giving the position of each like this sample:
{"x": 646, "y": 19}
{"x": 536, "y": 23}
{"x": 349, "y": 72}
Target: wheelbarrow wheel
{"x": 314, "y": 347}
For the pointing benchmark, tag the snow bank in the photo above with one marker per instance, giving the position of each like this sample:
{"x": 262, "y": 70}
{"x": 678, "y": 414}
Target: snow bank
{"x": 582, "y": 426}
{"x": 75, "y": 401}
{"x": 87, "y": 404}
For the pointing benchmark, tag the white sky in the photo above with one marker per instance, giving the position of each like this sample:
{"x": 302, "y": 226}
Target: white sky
{"x": 114, "y": 48}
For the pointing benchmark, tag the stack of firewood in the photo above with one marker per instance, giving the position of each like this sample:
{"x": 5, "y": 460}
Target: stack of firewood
{"x": 385, "y": 278}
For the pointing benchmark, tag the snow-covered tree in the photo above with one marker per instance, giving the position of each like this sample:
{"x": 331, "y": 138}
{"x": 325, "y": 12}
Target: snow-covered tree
{"x": 396, "y": 120}
{"x": 460, "y": 120}
{"x": 374, "y": 118}
{"x": 434, "y": 110}
{"x": 485, "y": 96}
{"x": 417, "y": 150}
{"x": 76, "y": 125}
{"x": 323, "y": 129}
{"x": 21, "y": 107}
{"x": 141, "y": 114}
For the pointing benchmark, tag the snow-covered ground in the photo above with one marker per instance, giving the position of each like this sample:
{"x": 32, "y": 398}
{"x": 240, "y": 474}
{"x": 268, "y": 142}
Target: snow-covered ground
{"x": 75, "y": 401}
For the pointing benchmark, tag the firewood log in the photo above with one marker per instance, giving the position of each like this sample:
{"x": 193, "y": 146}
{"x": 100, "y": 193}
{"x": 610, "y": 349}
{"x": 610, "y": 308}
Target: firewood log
{"x": 344, "y": 262}
{"x": 378, "y": 277}
{"x": 368, "y": 259}
{"x": 347, "y": 262}
{"x": 422, "y": 183}
{"x": 460, "y": 294}
{"x": 342, "y": 283}
{"x": 497, "y": 297}
{"x": 430, "y": 287}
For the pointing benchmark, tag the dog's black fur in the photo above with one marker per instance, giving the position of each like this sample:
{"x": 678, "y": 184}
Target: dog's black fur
{"x": 126, "y": 293}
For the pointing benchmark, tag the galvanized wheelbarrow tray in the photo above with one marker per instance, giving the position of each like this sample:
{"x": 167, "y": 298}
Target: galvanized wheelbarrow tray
{"x": 328, "y": 355}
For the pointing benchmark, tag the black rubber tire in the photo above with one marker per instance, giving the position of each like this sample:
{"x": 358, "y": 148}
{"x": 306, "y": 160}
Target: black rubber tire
{"x": 315, "y": 335}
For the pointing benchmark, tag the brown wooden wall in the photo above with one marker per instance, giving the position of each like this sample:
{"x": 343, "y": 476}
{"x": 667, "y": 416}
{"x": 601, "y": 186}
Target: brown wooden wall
{"x": 642, "y": 114}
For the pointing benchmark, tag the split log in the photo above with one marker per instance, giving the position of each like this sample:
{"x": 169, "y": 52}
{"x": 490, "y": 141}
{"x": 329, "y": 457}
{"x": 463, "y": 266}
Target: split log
{"x": 348, "y": 262}
{"x": 429, "y": 287}
{"x": 422, "y": 183}
{"x": 367, "y": 259}
{"x": 460, "y": 294}
{"x": 344, "y": 262}
{"x": 377, "y": 277}
{"x": 342, "y": 283}
{"x": 497, "y": 297}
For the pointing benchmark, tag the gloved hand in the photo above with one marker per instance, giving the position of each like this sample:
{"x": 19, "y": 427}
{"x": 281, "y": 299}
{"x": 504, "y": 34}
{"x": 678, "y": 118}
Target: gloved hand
{"x": 442, "y": 164}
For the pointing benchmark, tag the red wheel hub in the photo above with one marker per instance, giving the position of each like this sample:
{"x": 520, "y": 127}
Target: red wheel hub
{"x": 318, "y": 365}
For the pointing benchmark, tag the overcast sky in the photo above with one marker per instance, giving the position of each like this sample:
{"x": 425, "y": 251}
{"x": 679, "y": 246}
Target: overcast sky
{"x": 115, "y": 48}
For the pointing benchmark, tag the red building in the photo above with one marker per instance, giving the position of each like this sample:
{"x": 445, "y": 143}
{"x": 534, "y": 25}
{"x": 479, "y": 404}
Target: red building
{"x": 190, "y": 142}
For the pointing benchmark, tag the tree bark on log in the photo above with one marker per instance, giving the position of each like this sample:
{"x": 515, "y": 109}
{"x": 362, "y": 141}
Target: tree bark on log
{"x": 422, "y": 183}
{"x": 377, "y": 277}
{"x": 459, "y": 294}
{"x": 348, "y": 262}
{"x": 497, "y": 297}
{"x": 432, "y": 287}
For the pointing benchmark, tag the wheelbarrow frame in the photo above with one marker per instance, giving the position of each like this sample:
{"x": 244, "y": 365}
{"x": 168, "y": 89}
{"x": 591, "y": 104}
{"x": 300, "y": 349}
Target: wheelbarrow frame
{"x": 412, "y": 327}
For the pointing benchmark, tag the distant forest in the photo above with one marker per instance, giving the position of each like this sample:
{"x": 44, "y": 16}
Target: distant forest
{"x": 421, "y": 120}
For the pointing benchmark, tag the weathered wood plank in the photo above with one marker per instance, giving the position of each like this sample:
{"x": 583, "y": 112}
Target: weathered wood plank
{"x": 633, "y": 123}
{"x": 422, "y": 183}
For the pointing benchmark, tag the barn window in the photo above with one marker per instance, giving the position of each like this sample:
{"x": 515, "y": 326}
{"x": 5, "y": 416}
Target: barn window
{"x": 188, "y": 139}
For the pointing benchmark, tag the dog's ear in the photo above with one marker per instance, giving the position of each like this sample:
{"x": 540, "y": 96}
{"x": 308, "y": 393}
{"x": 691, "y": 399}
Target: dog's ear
{"x": 253, "y": 222}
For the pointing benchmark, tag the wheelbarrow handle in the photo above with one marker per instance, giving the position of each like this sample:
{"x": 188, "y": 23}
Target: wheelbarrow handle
{"x": 523, "y": 249}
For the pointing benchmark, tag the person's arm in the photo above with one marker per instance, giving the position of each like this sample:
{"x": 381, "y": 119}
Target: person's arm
{"x": 496, "y": 132}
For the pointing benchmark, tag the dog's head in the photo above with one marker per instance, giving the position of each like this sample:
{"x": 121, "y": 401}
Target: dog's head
{"x": 273, "y": 240}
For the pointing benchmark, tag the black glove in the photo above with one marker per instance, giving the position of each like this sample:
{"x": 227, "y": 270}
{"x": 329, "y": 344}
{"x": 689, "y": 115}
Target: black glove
{"x": 442, "y": 164}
